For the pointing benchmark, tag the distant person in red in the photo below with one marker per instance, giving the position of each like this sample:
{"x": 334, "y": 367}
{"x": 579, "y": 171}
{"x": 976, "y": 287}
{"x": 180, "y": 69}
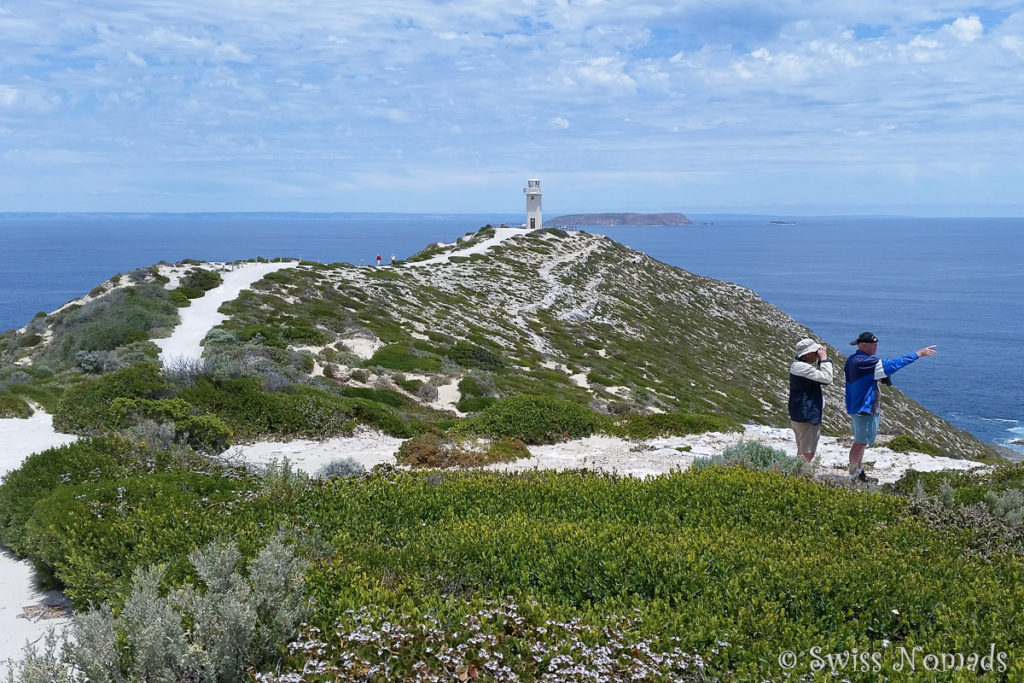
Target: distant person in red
{"x": 378, "y": 260}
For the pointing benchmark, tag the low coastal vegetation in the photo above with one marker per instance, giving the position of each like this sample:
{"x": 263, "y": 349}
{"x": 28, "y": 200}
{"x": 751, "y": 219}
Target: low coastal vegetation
{"x": 412, "y": 575}
{"x": 172, "y": 549}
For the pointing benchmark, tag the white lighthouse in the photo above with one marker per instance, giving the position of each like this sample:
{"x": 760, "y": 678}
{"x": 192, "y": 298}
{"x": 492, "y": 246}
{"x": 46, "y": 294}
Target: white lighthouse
{"x": 532, "y": 192}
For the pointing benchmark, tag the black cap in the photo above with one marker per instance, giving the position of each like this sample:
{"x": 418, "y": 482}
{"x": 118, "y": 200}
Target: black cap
{"x": 864, "y": 337}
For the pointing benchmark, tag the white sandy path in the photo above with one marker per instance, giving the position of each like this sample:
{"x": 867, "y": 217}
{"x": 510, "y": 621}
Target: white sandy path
{"x": 609, "y": 454}
{"x": 202, "y": 315}
{"x": 660, "y": 456}
{"x": 18, "y": 440}
{"x": 500, "y": 235}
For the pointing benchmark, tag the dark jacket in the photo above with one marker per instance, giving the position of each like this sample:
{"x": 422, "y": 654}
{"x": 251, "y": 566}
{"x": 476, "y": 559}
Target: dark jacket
{"x": 806, "y": 401}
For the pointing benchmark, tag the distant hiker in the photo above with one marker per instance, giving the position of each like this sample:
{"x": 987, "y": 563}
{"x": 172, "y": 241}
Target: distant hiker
{"x": 862, "y": 372}
{"x": 378, "y": 260}
{"x": 810, "y": 370}
{"x": 392, "y": 259}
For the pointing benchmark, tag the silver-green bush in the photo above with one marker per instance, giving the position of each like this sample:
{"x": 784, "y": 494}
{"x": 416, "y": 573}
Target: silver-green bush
{"x": 212, "y": 632}
{"x": 341, "y": 467}
{"x": 754, "y": 455}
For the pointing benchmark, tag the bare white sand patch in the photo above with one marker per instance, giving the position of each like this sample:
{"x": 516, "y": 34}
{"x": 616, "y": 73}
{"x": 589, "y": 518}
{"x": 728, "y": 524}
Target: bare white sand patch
{"x": 199, "y": 318}
{"x": 21, "y": 438}
{"x": 368, "y": 447}
{"x": 312, "y": 349}
{"x": 363, "y": 347}
{"x": 26, "y": 613}
{"x": 500, "y": 235}
{"x": 620, "y": 391}
{"x": 447, "y": 396}
{"x": 580, "y": 380}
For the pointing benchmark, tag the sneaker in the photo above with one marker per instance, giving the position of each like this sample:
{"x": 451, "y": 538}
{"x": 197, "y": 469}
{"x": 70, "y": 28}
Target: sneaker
{"x": 864, "y": 478}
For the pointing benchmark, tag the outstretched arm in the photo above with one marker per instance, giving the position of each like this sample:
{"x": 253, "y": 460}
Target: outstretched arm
{"x": 886, "y": 368}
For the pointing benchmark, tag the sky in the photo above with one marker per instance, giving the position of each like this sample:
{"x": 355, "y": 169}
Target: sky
{"x": 789, "y": 107}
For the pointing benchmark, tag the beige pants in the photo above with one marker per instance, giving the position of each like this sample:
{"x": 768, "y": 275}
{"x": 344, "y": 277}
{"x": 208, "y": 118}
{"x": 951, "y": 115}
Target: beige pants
{"x": 807, "y": 435}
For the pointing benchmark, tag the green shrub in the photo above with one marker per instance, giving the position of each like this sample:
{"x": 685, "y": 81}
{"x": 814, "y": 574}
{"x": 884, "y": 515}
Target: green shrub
{"x": 312, "y": 413}
{"x": 386, "y": 396}
{"x": 470, "y": 386}
{"x": 595, "y": 378}
{"x": 201, "y": 278}
{"x": 121, "y": 317}
{"x": 189, "y": 292}
{"x": 94, "y": 534}
{"x": 533, "y": 420}
{"x": 29, "y": 340}
{"x": 179, "y": 299}
{"x": 202, "y": 433}
{"x": 400, "y": 357}
{"x": 84, "y": 408}
{"x": 88, "y": 460}
{"x": 474, "y": 404}
{"x": 670, "y": 424}
{"x": 13, "y": 406}
{"x": 473, "y": 356}
{"x": 904, "y": 443}
{"x": 410, "y": 385}
{"x": 282, "y": 335}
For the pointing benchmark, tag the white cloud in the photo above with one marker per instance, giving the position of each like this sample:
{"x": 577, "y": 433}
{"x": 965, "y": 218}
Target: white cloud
{"x": 8, "y": 95}
{"x": 168, "y": 42}
{"x": 136, "y": 60}
{"x": 559, "y": 122}
{"x": 967, "y": 29}
{"x": 1014, "y": 44}
{"x": 607, "y": 72}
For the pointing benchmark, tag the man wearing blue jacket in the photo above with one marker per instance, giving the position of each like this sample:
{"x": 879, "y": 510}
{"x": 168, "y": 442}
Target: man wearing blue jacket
{"x": 863, "y": 370}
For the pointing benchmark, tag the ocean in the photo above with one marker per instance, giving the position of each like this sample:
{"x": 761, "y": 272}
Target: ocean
{"x": 956, "y": 283}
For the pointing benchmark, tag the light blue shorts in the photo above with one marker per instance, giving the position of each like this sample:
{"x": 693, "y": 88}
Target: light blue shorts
{"x": 865, "y": 428}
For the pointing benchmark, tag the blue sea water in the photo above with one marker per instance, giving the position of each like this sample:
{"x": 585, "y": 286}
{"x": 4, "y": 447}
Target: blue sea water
{"x": 956, "y": 283}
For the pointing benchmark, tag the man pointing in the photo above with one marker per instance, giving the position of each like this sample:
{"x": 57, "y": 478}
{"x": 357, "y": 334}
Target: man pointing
{"x": 863, "y": 370}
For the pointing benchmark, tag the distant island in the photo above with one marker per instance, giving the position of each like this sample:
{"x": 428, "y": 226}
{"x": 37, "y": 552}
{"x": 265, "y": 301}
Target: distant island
{"x": 619, "y": 219}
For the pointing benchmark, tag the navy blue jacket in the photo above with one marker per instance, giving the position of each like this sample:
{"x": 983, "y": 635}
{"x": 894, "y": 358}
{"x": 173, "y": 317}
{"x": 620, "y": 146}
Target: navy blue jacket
{"x": 806, "y": 400}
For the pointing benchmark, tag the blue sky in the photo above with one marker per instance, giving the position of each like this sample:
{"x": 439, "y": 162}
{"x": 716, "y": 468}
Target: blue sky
{"x": 790, "y": 107}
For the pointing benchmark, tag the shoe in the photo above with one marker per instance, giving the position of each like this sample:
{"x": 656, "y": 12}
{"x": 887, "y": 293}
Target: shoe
{"x": 864, "y": 478}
